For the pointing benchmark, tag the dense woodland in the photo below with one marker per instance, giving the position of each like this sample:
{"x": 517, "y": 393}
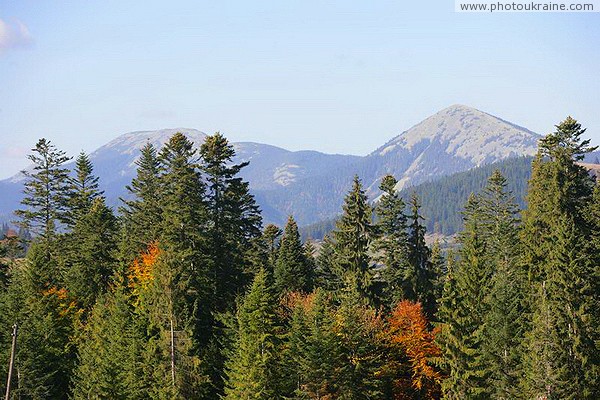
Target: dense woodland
{"x": 182, "y": 294}
{"x": 443, "y": 199}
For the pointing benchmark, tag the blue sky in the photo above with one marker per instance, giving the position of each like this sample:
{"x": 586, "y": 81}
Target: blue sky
{"x": 335, "y": 76}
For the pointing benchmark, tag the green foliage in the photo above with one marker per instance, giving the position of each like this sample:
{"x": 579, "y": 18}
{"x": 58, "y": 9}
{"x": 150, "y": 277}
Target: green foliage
{"x": 84, "y": 189}
{"x": 142, "y": 214}
{"x": 46, "y": 190}
{"x": 352, "y": 238}
{"x": 110, "y": 363}
{"x": 251, "y": 367}
{"x": 90, "y": 257}
{"x": 391, "y": 245}
{"x": 293, "y": 270}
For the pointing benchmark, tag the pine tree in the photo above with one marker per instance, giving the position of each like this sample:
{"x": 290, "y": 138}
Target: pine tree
{"x": 392, "y": 243}
{"x": 46, "y": 194}
{"x": 462, "y": 312}
{"x": 420, "y": 277}
{"x": 84, "y": 188}
{"x": 234, "y": 217}
{"x": 251, "y": 367}
{"x": 142, "y": 210}
{"x": 503, "y": 332}
{"x": 110, "y": 354}
{"x": 91, "y": 254}
{"x": 292, "y": 269}
{"x": 327, "y": 274}
{"x": 352, "y": 237}
{"x": 558, "y": 259}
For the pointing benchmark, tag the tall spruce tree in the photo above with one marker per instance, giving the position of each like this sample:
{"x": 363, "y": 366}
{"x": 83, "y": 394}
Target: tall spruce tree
{"x": 293, "y": 271}
{"x": 352, "y": 237}
{"x": 234, "y": 218}
{"x": 91, "y": 258}
{"x": 252, "y": 367}
{"x": 110, "y": 356}
{"x": 84, "y": 188}
{"x": 503, "y": 332}
{"x": 420, "y": 278}
{"x": 392, "y": 242}
{"x": 463, "y": 310}
{"x": 46, "y": 192}
{"x": 142, "y": 210}
{"x": 560, "y": 361}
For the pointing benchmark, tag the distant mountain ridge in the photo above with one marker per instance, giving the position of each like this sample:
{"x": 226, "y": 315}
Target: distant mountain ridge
{"x": 311, "y": 184}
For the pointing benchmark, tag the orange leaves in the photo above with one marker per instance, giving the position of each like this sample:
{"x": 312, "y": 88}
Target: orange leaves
{"x": 61, "y": 298}
{"x": 408, "y": 333}
{"x": 140, "y": 273}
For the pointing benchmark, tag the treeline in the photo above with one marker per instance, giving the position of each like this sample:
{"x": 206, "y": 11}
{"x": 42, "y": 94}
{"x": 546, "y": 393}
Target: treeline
{"x": 443, "y": 200}
{"x": 182, "y": 295}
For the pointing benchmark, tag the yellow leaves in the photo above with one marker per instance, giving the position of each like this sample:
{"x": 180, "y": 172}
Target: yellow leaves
{"x": 61, "y": 297}
{"x": 140, "y": 272}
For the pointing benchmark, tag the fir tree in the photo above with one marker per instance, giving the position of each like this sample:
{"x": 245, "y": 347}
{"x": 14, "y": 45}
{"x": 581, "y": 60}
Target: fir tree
{"x": 110, "y": 355}
{"x": 292, "y": 269}
{"x": 233, "y": 214}
{"x": 251, "y": 367}
{"x": 91, "y": 254}
{"x": 46, "y": 194}
{"x": 463, "y": 310}
{"x": 327, "y": 274}
{"x": 420, "y": 277}
{"x": 84, "y": 188}
{"x": 352, "y": 237}
{"x": 503, "y": 323}
{"x": 559, "y": 261}
{"x": 142, "y": 214}
{"x": 392, "y": 243}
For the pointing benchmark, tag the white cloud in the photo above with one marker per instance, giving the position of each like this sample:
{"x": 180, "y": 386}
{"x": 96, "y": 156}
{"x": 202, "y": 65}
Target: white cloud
{"x": 14, "y": 35}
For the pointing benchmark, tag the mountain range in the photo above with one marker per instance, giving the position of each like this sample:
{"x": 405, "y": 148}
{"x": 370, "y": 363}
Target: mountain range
{"x": 310, "y": 184}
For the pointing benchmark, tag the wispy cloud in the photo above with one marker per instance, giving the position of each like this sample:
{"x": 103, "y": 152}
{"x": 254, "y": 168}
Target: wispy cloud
{"x": 14, "y": 35}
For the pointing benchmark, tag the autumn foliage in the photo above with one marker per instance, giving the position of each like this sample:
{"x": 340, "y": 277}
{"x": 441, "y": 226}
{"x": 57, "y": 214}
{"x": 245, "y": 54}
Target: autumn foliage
{"x": 140, "y": 272}
{"x": 413, "y": 345}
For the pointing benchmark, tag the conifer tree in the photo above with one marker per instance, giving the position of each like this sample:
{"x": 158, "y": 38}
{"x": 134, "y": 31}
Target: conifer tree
{"x": 420, "y": 278}
{"x": 233, "y": 215}
{"x": 359, "y": 329}
{"x": 352, "y": 237}
{"x": 91, "y": 254}
{"x": 271, "y": 236}
{"x": 503, "y": 332}
{"x": 392, "y": 242}
{"x": 110, "y": 355}
{"x": 327, "y": 274}
{"x": 311, "y": 336}
{"x": 84, "y": 188}
{"x": 183, "y": 233}
{"x": 559, "y": 358}
{"x": 463, "y": 310}
{"x": 292, "y": 269}
{"x": 251, "y": 368}
{"x": 142, "y": 210}
{"x": 46, "y": 193}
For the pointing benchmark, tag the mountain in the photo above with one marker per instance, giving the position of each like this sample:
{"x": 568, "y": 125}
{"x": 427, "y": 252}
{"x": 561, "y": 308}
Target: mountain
{"x": 443, "y": 200}
{"x": 311, "y": 185}
{"x": 453, "y": 140}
